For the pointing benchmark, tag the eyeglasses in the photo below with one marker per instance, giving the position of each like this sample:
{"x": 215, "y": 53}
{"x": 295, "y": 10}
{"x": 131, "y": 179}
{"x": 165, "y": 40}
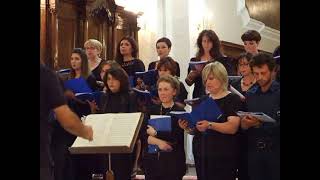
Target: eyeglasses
{"x": 244, "y": 64}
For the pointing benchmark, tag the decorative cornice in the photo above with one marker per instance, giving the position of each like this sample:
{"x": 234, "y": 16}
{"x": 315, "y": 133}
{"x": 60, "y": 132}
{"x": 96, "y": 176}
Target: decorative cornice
{"x": 265, "y": 31}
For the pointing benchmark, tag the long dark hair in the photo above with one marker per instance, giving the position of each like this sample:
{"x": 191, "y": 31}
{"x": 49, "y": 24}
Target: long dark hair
{"x": 134, "y": 53}
{"x": 84, "y": 63}
{"x": 119, "y": 74}
{"x": 215, "y": 50}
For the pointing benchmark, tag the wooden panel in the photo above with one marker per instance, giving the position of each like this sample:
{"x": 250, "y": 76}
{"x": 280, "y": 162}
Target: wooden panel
{"x": 43, "y": 23}
{"x": 266, "y": 11}
{"x": 69, "y": 24}
{"x": 66, "y": 42}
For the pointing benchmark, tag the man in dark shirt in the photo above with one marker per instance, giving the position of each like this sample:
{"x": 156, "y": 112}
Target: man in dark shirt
{"x": 263, "y": 138}
{"x": 52, "y": 98}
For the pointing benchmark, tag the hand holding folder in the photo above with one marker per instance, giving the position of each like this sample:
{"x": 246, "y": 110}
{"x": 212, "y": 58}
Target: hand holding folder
{"x": 206, "y": 110}
{"x": 159, "y": 123}
{"x": 149, "y": 77}
{"x": 197, "y": 65}
{"x": 259, "y": 115}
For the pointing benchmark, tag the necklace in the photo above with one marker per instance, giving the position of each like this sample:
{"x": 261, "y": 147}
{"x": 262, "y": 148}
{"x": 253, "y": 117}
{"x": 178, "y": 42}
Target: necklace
{"x": 246, "y": 84}
{"x": 161, "y": 108}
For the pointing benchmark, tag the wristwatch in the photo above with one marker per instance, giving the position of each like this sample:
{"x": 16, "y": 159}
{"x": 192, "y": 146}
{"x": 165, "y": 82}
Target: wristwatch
{"x": 210, "y": 125}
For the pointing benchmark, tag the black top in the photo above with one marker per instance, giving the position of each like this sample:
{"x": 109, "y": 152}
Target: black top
{"x": 168, "y": 162}
{"x": 51, "y": 96}
{"x": 269, "y": 103}
{"x": 199, "y": 89}
{"x": 217, "y": 144}
{"x": 96, "y": 71}
{"x": 152, "y": 65}
{"x": 183, "y": 94}
{"x": 135, "y": 65}
{"x": 121, "y": 102}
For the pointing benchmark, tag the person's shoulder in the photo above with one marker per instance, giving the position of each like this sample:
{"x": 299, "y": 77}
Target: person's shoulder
{"x": 132, "y": 93}
{"x": 253, "y": 89}
{"x": 233, "y": 97}
{"x": 138, "y": 60}
{"x": 178, "y": 108}
{"x": 152, "y": 63}
{"x": 194, "y": 59}
{"x": 153, "y": 109}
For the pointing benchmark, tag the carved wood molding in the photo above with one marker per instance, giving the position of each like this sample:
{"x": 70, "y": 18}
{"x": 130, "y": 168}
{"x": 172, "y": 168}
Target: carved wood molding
{"x": 102, "y": 11}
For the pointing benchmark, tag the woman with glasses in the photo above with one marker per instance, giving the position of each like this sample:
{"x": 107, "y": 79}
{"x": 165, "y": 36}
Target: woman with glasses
{"x": 248, "y": 79}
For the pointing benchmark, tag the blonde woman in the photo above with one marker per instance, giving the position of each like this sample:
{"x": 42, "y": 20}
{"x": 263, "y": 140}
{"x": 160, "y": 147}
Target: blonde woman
{"x": 215, "y": 152}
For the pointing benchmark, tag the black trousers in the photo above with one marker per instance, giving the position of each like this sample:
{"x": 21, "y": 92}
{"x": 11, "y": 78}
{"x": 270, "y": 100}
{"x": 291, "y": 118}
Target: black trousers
{"x": 165, "y": 166}
{"x": 264, "y": 165}
{"x": 46, "y": 174}
{"x": 242, "y": 166}
{"x": 210, "y": 167}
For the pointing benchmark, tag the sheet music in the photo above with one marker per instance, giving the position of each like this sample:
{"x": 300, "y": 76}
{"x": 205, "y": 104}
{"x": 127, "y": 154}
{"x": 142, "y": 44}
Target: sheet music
{"x": 110, "y": 130}
{"x": 260, "y": 115}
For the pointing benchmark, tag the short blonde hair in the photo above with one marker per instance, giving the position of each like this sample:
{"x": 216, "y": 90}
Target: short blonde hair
{"x": 93, "y": 43}
{"x": 218, "y": 71}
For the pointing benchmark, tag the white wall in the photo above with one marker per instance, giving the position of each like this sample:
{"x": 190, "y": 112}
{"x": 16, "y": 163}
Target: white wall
{"x": 182, "y": 21}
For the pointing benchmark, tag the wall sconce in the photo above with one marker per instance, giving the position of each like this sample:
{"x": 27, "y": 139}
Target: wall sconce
{"x": 52, "y": 6}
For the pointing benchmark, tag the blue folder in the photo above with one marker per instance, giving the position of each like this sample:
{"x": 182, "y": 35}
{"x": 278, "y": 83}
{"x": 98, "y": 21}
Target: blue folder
{"x": 192, "y": 64}
{"x": 94, "y": 96}
{"x": 144, "y": 96}
{"x": 159, "y": 124}
{"x": 149, "y": 77}
{"x": 77, "y": 85}
{"x": 206, "y": 110}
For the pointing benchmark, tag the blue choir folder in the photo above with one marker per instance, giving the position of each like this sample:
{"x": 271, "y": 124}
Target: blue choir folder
{"x": 192, "y": 102}
{"x": 206, "y": 110}
{"x": 77, "y": 85}
{"x": 159, "y": 123}
{"x": 192, "y": 64}
{"x": 131, "y": 81}
{"x": 93, "y": 96}
{"x": 149, "y": 77}
{"x": 144, "y": 96}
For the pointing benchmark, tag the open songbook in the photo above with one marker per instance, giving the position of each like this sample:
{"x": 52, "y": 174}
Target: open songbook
{"x": 260, "y": 115}
{"x": 112, "y": 133}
